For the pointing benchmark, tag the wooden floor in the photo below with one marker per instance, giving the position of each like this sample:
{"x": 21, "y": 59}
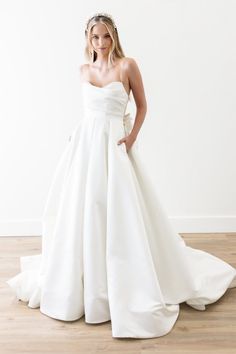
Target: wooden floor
{"x": 26, "y": 330}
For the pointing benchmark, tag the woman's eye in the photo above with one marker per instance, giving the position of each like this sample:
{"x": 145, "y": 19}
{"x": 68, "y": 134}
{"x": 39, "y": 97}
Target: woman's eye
{"x": 96, "y": 37}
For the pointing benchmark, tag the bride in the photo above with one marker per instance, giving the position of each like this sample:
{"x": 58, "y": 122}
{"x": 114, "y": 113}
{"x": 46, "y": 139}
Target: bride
{"x": 109, "y": 251}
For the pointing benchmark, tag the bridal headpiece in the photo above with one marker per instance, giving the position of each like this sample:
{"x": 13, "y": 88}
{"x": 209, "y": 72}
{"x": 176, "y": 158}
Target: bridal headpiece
{"x": 101, "y": 14}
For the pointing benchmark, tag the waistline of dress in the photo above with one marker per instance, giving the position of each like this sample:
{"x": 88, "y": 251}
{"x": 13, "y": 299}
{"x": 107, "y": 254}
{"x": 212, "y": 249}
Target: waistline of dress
{"x": 91, "y": 113}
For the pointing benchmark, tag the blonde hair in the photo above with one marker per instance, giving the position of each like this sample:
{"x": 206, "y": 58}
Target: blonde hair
{"x": 116, "y": 50}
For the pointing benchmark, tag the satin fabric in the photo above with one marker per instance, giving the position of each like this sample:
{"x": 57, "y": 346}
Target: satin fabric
{"x": 109, "y": 251}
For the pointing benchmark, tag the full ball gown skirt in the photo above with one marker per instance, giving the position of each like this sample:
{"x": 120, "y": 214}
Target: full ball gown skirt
{"x": 109, "y": 251}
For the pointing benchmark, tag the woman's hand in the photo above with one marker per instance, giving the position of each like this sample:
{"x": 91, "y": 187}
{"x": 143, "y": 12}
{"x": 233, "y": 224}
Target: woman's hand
{"x": 128, "y": 140}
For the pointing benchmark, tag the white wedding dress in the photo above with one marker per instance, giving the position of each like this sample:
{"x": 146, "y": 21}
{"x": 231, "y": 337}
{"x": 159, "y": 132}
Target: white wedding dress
{"x": 109, "y": 251}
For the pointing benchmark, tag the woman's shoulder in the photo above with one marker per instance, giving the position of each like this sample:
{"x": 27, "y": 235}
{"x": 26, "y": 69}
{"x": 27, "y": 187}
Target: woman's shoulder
{"x": 128, "y": 61}
{"x": 129, "y": 64}
{"x": 83, "y": 67}
{"x": 83, "y": 70}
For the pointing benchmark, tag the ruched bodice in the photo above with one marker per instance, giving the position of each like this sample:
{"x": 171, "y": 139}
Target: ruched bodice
{"x": 109, "y": 100}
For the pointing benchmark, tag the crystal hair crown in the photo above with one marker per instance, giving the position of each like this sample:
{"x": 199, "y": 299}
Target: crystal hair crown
{"x": 101, "y": 14}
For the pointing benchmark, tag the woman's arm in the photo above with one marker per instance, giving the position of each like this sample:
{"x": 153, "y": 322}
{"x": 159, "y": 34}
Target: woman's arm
{"x": 136, "y": 84}
{"x": 131, "y": 71}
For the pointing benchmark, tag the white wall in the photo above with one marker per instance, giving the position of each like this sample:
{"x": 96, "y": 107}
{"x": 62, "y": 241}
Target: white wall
{"x": 186, "y": 53}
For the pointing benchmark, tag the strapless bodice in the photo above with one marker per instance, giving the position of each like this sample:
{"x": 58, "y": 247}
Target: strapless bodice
{"x": 109, "y": 100}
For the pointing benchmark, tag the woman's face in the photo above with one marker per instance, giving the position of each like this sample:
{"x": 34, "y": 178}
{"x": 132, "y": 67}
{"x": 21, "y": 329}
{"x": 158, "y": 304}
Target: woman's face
{"x": 101, "y": 39}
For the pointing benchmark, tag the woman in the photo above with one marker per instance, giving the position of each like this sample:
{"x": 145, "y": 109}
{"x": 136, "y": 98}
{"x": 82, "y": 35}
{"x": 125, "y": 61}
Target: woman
{"x": 108, "y": 249}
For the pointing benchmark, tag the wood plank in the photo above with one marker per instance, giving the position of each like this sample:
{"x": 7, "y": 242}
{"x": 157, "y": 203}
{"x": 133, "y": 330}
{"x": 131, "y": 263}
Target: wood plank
{"x": 25, "y": 330}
